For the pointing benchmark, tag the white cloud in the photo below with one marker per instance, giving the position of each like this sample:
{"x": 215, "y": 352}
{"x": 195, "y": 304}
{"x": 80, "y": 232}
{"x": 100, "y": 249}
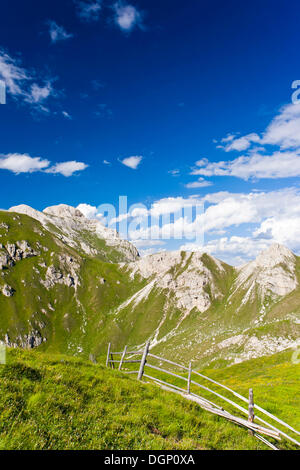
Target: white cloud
{"x": 172, "y": 205}
{"x": 244, "y": 223}
{"x": 67, "y": 168}
{"x": 21, "y": 84}
{"x": 106, "y": 162}
{"x": 236, "y": 209}
{"x": 66, "y": 115}
{"x": 149, "y": 243}
{"x": 256, "y": 165}
{"x": 284, "y": 229}
{"x": 132, "y": 162}
{"x": 267, "y": 217}
{"x": 127, "y": 17}
{"x": 284, "y": 162}
{"x": 88, "y": 10}
{"x": 13, "y": 75}
{"x": 200, "y": 183}
{"x": 149, "y": 251}
{"x": 241, "y": 143}
{"x": 24, "y": 163}
{"x": 284, "y": 130}
{"x": 226, "y": 139}
{"x": 175, "y": 172}
{"x": 90, "y": 212}
{"x": 39, "y": 93}
{"x": 58, "y": 33}
{"x": 234, "y": 250}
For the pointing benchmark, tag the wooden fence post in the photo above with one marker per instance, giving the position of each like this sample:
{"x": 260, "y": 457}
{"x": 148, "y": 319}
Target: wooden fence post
{"x": 251, "y": 409}
{"x": 108, "y": 353}
{"x": 143, "y": 361}
{"x": 122, "y": 358}
{"x": 251, "y": 406}
{"x": 189, "y": 378}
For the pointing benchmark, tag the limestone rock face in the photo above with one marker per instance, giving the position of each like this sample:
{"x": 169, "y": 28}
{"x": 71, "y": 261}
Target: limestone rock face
{"x": 7, "y": 291}
{"x": 72, "y": 225}
{"x": 185, "y": 274}
{"x": 13, "y": 252}
{"x": 63, "y": 210}
{"x": 27, "y": 341}
{"x": 66, "y": 274}
{"x": 273, "y": 273}
{"x": 5, "y": 259}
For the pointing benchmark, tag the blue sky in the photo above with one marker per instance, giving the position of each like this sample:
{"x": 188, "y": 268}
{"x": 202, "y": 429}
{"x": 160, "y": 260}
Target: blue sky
{"x": 181, "y": 85}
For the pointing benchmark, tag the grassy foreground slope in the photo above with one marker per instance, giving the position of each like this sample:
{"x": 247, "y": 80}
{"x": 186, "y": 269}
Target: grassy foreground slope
{"x": 59, "y": 402}
{"x": 275, "y": 381}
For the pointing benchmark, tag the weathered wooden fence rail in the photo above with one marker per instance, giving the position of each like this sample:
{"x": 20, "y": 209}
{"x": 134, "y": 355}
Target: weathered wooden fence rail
{"x": 254, "y": 428}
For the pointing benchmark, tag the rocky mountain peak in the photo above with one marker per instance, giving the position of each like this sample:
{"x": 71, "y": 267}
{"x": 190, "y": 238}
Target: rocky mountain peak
{"x": 273, "y": 272}
{"x": 63, "y": 210}
{"x": 184, "y": 274}
{"x": 27, "y": 210}
{"x": 77, "y": 231}
{"x": 274, "y": 255}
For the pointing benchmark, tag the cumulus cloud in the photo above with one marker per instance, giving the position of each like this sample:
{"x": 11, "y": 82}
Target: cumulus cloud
{"x": 88, "y": 10}
{"x": 240, "y": 143}
{"x": 67, "y": 168}
{"x": 149, "y": 243}
{"x": 21, "y": 84}
{"x": 132, "y": 162}
{"x": 234, "y": 250}
{"x": 127, "y": 17}
{"x": 24, "y": 163}
{"x": 38, "y": 94}
{"x": 235, "y": 226}
{"x": 200, "y": 183}
{"x": 254, "y": 166}
{"x": 284, "y": 130}
{"x": 58, "y": 33}
{"x": 262, "y": 159}
{"x": 268, "y": 217}
{"x": 90, "y": 212}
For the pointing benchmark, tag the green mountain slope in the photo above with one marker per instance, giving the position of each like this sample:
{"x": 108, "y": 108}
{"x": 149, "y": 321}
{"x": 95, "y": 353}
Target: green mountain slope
{"x": 54, "y": 297}
{"x": 69, "y": 285}
{"x": 59, "y": 402}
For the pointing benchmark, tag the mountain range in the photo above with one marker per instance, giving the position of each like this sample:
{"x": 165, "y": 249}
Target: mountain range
{"x": 70, "y": 285}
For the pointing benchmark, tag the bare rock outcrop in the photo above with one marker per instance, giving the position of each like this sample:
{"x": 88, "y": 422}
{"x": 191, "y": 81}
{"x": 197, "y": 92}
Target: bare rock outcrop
{"x": 67, "y": 273}
{"x": 7, "y": 291}
{"x": 271, "y": 273}
{"x": 183, "y": 274}
{"x": 28, "y": 341}
{"x": 73, "y": 227}
{"x": 14, "y": 252}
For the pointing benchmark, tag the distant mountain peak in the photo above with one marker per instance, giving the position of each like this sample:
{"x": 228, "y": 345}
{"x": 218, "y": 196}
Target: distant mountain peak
{"x": 74, "y": 229}
{"x": 63, "y": 210}
{"x": 274, "y": 255}
{"x": 273, "y": 272}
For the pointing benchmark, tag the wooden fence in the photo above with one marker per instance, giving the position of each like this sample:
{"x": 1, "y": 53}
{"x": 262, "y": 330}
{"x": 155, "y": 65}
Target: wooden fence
{"x": 146, "y": 361}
